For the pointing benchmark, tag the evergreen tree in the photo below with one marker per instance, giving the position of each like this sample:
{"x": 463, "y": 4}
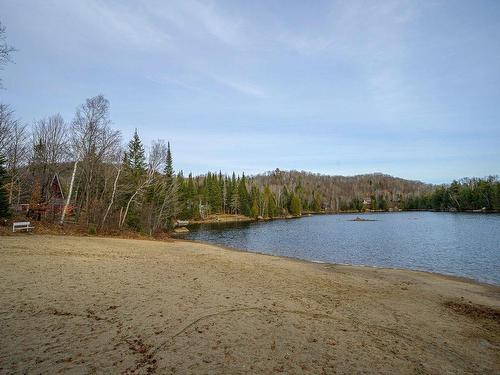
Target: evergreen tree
{"x": 285, "y": 199}
{"x": 4, "y": 202}
{"x": 272, "y": 208}
{"x": 255, "y": 208}
{"x": 134, "y": 171}
{"x": 190, "y": 206}
{"x": 244, "y": 198}
{"x": 214, "y": 193}
{"x": 170, "y": 206}
{"x": 169, "y": 166}
{"x": 382, "y": 203}
{"x": 316, "y": 205}
{"x": 235, "y": 202}
{"x": 496, "y": 197}
{"x": 135, "y": 159}
{"x": 231, "y": 188}
{"x": 295, "y": 208}
{"x": 222, "y": 192}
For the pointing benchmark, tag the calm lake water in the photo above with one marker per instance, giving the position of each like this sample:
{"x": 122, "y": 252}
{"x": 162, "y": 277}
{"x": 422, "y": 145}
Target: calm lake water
{"x": 450, "y": 243}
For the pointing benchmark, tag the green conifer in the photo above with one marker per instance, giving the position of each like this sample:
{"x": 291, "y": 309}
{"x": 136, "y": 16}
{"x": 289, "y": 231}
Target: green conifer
{"x": 295, "y": 208}
{"x": 135, "y": 159}
{"x": 244, "y": 198}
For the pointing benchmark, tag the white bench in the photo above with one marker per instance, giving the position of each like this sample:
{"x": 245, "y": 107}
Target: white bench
{"x": 22, "y": 225}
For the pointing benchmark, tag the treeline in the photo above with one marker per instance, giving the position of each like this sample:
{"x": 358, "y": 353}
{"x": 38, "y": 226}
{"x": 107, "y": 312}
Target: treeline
{"x": 340, "y": 193}
{"x": 82, "y": 172}
{"x": 215, "y": 193}
{"x": 282, "y": 193}
{"x": 468, "y": 194}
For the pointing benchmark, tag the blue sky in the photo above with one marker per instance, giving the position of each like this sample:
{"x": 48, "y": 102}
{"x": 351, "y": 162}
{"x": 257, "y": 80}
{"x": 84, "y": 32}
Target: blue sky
{"x": 408, "y": 88}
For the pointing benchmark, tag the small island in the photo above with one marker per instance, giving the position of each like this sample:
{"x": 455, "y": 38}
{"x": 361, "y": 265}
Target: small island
{"x": 361, "y": 219}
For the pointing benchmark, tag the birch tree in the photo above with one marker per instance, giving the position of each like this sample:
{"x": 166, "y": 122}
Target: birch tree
{"x": 93, "y": 144}
{"x": 119, "y": 167}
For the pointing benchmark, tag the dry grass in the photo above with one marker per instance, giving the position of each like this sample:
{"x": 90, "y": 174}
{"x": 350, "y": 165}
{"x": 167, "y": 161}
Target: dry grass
{"x": 475, "y": 311}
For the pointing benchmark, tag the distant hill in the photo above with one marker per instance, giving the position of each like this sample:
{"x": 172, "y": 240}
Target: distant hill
{"x": 339, "y": 192}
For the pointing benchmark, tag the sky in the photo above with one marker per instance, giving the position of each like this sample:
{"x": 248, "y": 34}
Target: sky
{"x": 407, "y": 88}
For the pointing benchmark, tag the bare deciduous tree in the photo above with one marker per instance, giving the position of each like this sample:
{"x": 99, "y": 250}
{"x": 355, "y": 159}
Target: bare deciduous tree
{"x": 5, "y": 50}
{"x": 7, "y": 122}
{"x": 49, "y": 139}
{"x": 17, "y": 158}
{"x": 13, "y": 147}
{"x": 93, "y": 143}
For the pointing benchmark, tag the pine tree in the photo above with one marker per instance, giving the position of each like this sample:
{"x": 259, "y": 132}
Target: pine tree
{"x": 316, "y": 206}
{"x": 295, "y": 208}
{"x": 382, "y": 203}
{"x": 189, "y": 207}
{"x": 135, "y": 159}
{"x": 169, "y": 166}
{"x": 244, "y": 198}
{"x": 496, "y": 199}
{"x": 255, "y": 208}
{"x": 4, "y": 202}
{"x": 170, "y": 207}
{"x": 222, "y": 192}
{"x": 285, "y": 199}
{"x": 135, "y": 169}
{"x": 272, "y": 209}
{"x": 214, "y": 193}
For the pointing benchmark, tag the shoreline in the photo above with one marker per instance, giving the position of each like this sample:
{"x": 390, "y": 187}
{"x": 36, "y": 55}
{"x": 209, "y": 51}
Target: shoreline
{"x": 246, "y": 219}
{"x": 178, "y": 238}
{"x": 354, "y": 266}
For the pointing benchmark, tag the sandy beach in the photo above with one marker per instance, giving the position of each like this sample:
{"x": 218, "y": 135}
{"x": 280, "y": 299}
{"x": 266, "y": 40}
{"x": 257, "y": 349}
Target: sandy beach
{"x": 88, "y": 305}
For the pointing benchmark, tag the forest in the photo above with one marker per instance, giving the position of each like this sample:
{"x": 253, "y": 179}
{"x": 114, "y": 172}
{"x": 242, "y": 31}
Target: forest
{"x": 82, "y": 172}
{"x": 467, "y": 194}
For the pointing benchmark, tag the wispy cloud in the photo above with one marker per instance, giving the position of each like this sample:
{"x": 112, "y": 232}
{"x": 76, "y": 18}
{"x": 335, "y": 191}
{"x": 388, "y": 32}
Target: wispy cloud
{"x": 200, "y": 19}
{"x": 242, "y": 87}
{"x": 110, "y": 25}
{"x": 163, "y": 79}
{"x": 303, "y": 43}
{"x": 123, "y": 26}
{"x": 353, "y": 74}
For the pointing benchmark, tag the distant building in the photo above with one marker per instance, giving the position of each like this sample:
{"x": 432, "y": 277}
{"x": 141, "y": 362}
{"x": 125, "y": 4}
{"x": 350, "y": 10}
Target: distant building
{"x": 55, "y": 201}
{"x": 367, "y": 201}
{"x": 53, "y": 206}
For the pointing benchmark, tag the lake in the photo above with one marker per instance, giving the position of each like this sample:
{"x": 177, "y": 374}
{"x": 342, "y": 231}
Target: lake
{"x": 459, "y": 244}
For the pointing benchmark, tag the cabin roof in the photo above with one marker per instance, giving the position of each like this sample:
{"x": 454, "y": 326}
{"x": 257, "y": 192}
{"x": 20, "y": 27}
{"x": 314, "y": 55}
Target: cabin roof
{"x": 55, "y": 187}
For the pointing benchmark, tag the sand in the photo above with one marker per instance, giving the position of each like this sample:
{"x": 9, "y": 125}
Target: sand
{"x": 87, "y": 305}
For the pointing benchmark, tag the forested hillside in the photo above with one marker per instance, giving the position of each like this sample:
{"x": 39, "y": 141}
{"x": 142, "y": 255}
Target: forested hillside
{"x": 280, "y": 193}
{"x": 83, "y": 172}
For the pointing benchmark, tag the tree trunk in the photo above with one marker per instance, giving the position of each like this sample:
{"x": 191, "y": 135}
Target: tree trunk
{"x": 69, "y": 193}
{"x": 112, "y": 198}
{"x": 127, "y": 207}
